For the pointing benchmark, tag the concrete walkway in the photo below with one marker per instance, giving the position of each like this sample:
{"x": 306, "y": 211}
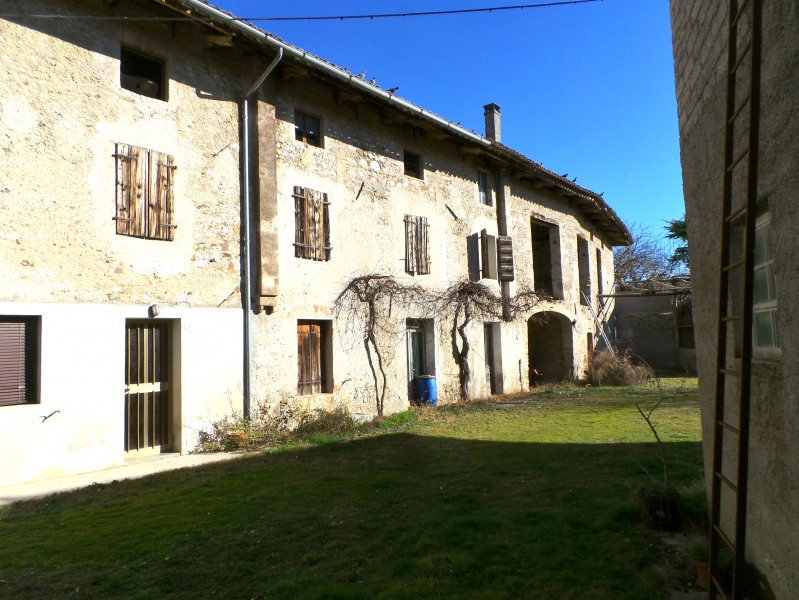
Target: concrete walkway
{"x": 133, "y": 469}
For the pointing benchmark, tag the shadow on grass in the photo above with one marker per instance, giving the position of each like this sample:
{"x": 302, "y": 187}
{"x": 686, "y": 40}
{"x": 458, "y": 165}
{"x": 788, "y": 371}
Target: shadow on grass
{"x": 392, "y": 516}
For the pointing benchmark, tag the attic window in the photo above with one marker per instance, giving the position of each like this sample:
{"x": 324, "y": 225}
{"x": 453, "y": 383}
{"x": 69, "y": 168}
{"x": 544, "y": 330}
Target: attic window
{"x": 413, "y": 164}
{"x": 482, "y": 188}
{"x": 306, "y": 129}
{"x": 142, "y": 74}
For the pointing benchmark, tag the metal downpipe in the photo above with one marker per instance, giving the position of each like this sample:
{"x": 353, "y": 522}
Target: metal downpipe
{"x": 246, "y": 280}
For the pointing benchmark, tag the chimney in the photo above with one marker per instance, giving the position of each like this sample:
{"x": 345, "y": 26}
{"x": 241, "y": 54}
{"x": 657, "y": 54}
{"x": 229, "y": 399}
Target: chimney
{"x": 493, "y": 131}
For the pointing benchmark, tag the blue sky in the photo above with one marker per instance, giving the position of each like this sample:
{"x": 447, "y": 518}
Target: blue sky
{"x": 585, "y": 89}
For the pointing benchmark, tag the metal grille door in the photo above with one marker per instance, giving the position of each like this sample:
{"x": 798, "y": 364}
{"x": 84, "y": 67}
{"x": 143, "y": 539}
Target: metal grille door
{"x": 146, "y": 386}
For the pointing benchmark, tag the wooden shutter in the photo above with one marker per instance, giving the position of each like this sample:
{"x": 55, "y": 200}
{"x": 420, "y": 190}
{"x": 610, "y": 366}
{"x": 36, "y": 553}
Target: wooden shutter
{"x": 417, "y": 251}
{"x": 315, "y": 220}
{"x": 410, "y": 244}
{"x": 505, "y": 255}
{"x": 160, "y": 200}
{"x": 131, "y": 189}
{"x": 326, "y": 248}
{"x": 311, "y": 224}
{"x": 309, "y": 354}
{"x": 423, "y": 246}
{"x": 17, "y": 362}
{"x": 488, "y": 251}
{"x": 300, "y": 229}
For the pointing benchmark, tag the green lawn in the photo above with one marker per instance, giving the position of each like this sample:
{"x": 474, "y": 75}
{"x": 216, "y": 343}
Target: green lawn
{"x": 485, "y": 501}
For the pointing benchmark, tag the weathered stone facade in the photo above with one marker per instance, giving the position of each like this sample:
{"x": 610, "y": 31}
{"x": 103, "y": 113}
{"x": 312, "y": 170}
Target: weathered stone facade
{"x": 700, "y": 55}
{"x": 62, "y": 262}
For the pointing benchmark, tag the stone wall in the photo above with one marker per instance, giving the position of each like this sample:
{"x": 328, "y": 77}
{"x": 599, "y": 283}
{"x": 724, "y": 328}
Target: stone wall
{"x": 360, "y": 168}
{"x": 699, "y": 34}
{"x": 63, "y": 110}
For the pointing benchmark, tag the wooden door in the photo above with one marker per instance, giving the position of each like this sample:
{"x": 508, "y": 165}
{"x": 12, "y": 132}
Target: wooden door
{"x": 147, "y": 398}
{"x": 309, "y": 359}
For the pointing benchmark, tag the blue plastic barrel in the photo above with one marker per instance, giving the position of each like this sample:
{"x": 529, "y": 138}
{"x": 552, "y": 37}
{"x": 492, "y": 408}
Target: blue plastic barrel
{"x": 426, "y": 390}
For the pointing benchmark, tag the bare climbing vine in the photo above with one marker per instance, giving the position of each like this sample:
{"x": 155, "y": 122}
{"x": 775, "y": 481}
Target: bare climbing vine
{"x": 365, "y": 306}
{"x": 464, "y": 301}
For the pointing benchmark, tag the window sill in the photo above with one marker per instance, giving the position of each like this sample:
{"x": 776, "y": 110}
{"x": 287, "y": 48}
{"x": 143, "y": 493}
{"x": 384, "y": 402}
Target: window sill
{"x": 772, "y": 355}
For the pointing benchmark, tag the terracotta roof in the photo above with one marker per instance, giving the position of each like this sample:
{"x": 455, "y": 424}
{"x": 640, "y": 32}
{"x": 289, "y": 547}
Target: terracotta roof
{"x": 590, "y": 203}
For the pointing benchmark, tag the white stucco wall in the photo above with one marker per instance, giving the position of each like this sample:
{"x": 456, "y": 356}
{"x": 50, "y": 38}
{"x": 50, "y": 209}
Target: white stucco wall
{"x": 83, "y": 376}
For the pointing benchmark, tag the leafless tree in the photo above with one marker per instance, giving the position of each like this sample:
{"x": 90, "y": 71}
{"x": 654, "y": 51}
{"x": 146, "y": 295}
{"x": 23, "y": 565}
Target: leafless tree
{"x": 646, "y": 259}
{"x": 365, "y": 306}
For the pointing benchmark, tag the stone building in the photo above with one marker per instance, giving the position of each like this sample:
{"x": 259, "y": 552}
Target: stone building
{"x": 126, "y": 302}
{"x": 700, "y": 35}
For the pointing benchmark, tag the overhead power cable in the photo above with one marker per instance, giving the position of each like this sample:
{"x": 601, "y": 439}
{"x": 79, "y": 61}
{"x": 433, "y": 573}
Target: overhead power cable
{"x": 428, "y": 13}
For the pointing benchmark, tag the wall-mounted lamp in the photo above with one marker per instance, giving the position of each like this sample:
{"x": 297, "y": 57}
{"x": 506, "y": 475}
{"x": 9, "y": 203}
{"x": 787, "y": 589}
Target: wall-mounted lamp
{"x": 153, "y": 310}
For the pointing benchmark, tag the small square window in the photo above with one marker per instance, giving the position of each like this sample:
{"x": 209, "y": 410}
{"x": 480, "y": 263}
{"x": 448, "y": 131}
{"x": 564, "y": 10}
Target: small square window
{"x": 482, "y": 188}
{"x": 306, "y": 129}
{"x": 142, "y": 74}
{"x": 413, "y": 164}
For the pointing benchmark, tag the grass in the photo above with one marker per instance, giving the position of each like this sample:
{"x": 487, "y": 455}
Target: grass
{"x": 486, "y": 501}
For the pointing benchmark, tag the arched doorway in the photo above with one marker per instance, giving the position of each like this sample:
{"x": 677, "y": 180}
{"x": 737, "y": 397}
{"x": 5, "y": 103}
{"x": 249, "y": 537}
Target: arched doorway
{"x": 549, "y": 347}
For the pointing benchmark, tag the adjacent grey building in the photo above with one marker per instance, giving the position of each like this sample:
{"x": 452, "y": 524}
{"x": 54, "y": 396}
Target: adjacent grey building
{"x": 700, "y": 55}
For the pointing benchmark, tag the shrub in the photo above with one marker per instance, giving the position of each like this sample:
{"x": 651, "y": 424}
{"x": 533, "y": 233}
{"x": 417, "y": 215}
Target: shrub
{"x": 605, "y": 368}
{"x": 269, "y": 429}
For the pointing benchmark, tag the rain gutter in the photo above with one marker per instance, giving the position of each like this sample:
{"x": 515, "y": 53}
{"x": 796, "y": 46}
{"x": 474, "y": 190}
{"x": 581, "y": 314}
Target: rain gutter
{"x": 246, "y": 293}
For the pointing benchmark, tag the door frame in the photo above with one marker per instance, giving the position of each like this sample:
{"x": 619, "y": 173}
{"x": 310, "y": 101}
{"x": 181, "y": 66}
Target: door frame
{"x": 172, "y": 388}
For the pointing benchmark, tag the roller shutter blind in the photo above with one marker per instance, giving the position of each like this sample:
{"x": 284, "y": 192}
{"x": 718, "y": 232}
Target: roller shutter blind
{"x": 18, "y": 361}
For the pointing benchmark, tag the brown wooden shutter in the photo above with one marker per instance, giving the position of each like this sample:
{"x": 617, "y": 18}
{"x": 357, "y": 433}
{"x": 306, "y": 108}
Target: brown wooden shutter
{"x": 488, "y": 249}
{"x": 309, "y": 351}
{"x": 422, "y": 246}
{"x": 131, "y": 189}
{"x": 17, "y": 363}
{"x": 311, "y": 224}
{"x": 160, "y": 200}
{"x": 410, "y": 244}
{"x": 300, "y": 213}
{"x": 315, "y": 217}
{"x": 326, "y": 248}
{"x": 505, "y": 256}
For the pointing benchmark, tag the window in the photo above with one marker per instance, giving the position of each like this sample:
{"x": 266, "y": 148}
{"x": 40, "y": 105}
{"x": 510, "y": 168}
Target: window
{"x": 417, "y": 250}
{"x": 19, "y": 360}
{"x": 599, "y": 285}
{"x": 685, "y": 337}
{"x": 311, "y": 224}
{"x": 584, "y": 270}
{"x": 145, "y": 197}
{"x": 314, "y": 352}
{"x": 542, "y": 257}
{"x": 765, "y": 287}
{"x": 142, "y": 74}
{"x": 484, "y": 192}
{"x": 413, "y": 164}
{"x": 306, "y": 129}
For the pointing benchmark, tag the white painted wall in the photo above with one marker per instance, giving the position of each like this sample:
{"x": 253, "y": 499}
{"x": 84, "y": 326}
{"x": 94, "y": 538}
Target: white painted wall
{"x": 82, "y": 376}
